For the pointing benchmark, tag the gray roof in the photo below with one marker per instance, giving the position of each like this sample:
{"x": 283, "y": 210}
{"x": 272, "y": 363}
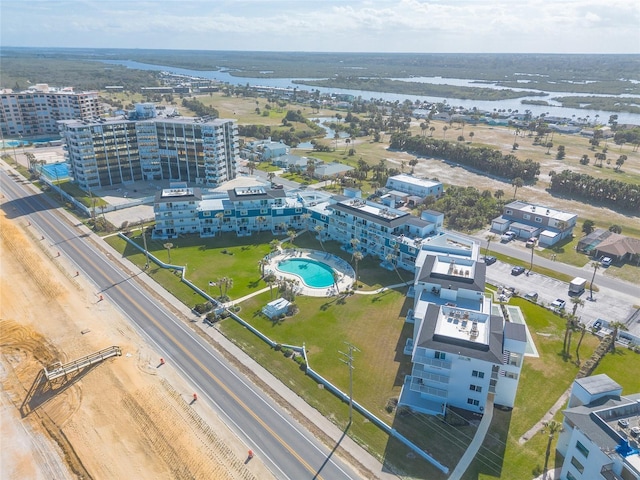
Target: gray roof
{"x": 589, "y": 419}
{"x": 454, "y": 282}
{"x": 428, "y": 339}
{"x": 598, "y": 384}
{"x": 515, "y": 331}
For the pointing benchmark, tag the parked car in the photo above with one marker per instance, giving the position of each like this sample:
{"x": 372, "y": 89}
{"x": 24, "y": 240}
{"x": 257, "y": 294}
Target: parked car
{"x": 605, "y": 261}
{"x": 558, "y": 304}
{"x": 490, "y": 260}
{"x": 531, "y": 242}
{"x": 277, "y": 186}
{"x": 517, "y": 270}
{"x": 597, "y": 325}
{"x": 531, "y": 296}
{"x": 508, "y": 236}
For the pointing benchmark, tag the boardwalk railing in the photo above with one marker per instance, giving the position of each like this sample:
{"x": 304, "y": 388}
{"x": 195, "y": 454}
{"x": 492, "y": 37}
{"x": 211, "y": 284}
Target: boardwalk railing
{"x": 58, "y": 369}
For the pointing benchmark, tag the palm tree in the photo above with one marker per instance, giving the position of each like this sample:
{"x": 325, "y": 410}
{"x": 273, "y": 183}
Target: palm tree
{"x": 616, "y": 326}
{"x": 566, "y": 345}
{"x": 354, "y": 245}
{"x": 168, "y": 246}
{"x": 306, "y": 217}
{"x": 251, "y": 166}
{"x": 336, "y": 277}
{"x": 517, "y": 183}
{"x": 498, "y": 194}
{"x": 270, "y": 279}
{"x": 552, "y": 427}
{"x": 357, "y": 256}
{"x": 291, "y": 233}
{"x": 263, "y": 262}
{"x": 444, "y": 132}
{"x": 577, "y": 302}
{"x": 220, "y": 216}
{"x": 423, "y": 127}
{"x": 490, "y": 237}
{"x": 583, "y": 330}
{"x": 318, "y": 229}
{"x": 595, "y": 266}
{"x": 271, "y": 176}
{"x": 431, "y": 130}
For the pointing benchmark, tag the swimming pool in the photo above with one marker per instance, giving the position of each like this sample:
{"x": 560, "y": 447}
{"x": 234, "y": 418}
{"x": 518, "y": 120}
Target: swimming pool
{"x": 313, "y": 274}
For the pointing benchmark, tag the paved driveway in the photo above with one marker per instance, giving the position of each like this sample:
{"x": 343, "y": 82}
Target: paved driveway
{"x": 608, "y": 304}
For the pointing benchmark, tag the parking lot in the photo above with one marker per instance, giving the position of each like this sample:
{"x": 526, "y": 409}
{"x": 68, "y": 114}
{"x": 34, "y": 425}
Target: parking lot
{"x": 607, "y": 304}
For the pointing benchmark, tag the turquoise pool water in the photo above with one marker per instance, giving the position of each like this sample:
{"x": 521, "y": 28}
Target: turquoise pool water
{"x": 56, "y": 171}
{"x": 313, "y": 274}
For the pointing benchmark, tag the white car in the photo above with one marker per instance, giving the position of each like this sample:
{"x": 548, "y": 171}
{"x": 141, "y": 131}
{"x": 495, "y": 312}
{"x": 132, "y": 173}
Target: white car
{"x": 508, "y": 236}
{"x": 605, "y": 261}
{"x": 558, "y": 304}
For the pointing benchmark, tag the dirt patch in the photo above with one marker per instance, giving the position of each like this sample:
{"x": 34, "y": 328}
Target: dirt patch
{"x": 125, "y": 417}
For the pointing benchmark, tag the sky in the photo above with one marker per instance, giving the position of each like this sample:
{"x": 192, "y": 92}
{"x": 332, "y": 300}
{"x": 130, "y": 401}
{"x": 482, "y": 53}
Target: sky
{"x": 423, "y": 26}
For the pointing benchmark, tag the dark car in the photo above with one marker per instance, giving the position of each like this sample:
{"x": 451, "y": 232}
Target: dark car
{"x": 490, "y": 260}
{"x": 517, "y": 270}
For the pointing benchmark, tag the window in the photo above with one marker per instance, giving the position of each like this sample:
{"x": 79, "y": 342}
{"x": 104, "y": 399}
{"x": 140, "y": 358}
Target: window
{"x": 570, "y": 476}
{"x": 478, "y": 374}
{"x": 577, "y": 464}
{"x": 526, "y": 216}
{"x": 243, "y": 213}
{"x": 509, "y": 212}
{"x": 440, "y": 355}
{"x": 263, "y": 211}
{"x": 227, "y": 212}
{"x": 582, "y": 449}
{"x": 473, "y": 402}
{"x": 475, "y": 388}
{"x": 538, "y": 220}
{"x": 323, "y": 217}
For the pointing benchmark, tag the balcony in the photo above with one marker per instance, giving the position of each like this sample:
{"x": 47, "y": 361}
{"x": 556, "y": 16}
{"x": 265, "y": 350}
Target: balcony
{"x": 418, "y": 372}
{"x": 417, "y": 385}
{"x": 432, "y": 362}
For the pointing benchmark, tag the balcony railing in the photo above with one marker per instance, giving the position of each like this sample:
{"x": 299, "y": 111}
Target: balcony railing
{"x": 417, "y": 386}
{"x": 433, "y": 362}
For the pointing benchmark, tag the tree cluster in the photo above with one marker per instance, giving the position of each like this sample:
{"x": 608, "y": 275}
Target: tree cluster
{"x": 612, "y": 192}
{"x": 481, "y": 158}
{"x": 199, "y": 108}
{"x": 467, "y": 209}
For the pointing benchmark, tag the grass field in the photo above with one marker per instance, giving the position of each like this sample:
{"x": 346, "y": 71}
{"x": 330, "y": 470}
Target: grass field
{"x": 375, "y": 325}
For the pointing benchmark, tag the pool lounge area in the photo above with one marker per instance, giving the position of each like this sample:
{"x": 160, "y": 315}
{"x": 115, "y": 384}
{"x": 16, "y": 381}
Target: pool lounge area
{"x": 313, "y": 270}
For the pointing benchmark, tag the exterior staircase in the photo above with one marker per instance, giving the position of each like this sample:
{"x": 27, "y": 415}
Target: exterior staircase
{"x": 58, "y": 369}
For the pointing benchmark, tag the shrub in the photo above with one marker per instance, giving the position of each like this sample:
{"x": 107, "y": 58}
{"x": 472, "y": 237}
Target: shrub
{"x": 287, "y": 352}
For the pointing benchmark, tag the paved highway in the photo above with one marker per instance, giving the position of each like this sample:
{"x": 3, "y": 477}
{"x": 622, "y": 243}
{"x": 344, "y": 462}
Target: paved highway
{"x": 288, "y": 449}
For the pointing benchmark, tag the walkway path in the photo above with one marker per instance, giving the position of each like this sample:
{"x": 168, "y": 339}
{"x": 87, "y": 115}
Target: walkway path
{"x": 476, "y": 443}
{"x": 560, "y": 403}
{"x": 382, "y": 289}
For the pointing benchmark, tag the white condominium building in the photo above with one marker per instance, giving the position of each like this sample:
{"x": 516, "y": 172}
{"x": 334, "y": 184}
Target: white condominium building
{"x": 36, "y": 111}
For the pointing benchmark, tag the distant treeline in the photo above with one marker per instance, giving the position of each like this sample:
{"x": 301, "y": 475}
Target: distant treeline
{"x": 611, "y": 192}
{"x": 21, "y": 73}
{"x": 418, "y": 88}
{"x": 481, "y": 158}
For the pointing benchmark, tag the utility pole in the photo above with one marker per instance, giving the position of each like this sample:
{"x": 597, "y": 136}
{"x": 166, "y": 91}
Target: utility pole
{"x": 349, "y": 363}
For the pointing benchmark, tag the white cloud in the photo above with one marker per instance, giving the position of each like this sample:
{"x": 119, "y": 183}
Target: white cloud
{"x": 341, "y": 25}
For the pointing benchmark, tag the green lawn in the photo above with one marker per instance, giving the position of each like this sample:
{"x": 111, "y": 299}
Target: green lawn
{"x": 375, "y": 325}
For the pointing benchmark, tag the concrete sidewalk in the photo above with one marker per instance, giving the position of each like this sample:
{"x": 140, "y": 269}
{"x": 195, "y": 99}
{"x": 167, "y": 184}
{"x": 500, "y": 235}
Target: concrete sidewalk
{"x": 476, "y": 443}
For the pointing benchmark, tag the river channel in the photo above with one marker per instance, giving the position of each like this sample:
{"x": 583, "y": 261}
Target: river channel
{"x": 554, "y": 109}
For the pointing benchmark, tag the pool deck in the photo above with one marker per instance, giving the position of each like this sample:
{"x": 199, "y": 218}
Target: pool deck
{"x": 346, "y": 273}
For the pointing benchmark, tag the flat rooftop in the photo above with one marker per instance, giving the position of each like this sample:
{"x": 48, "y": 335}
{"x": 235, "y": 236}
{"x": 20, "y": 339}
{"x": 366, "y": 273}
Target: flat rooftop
{"x": 468, "y": 325}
